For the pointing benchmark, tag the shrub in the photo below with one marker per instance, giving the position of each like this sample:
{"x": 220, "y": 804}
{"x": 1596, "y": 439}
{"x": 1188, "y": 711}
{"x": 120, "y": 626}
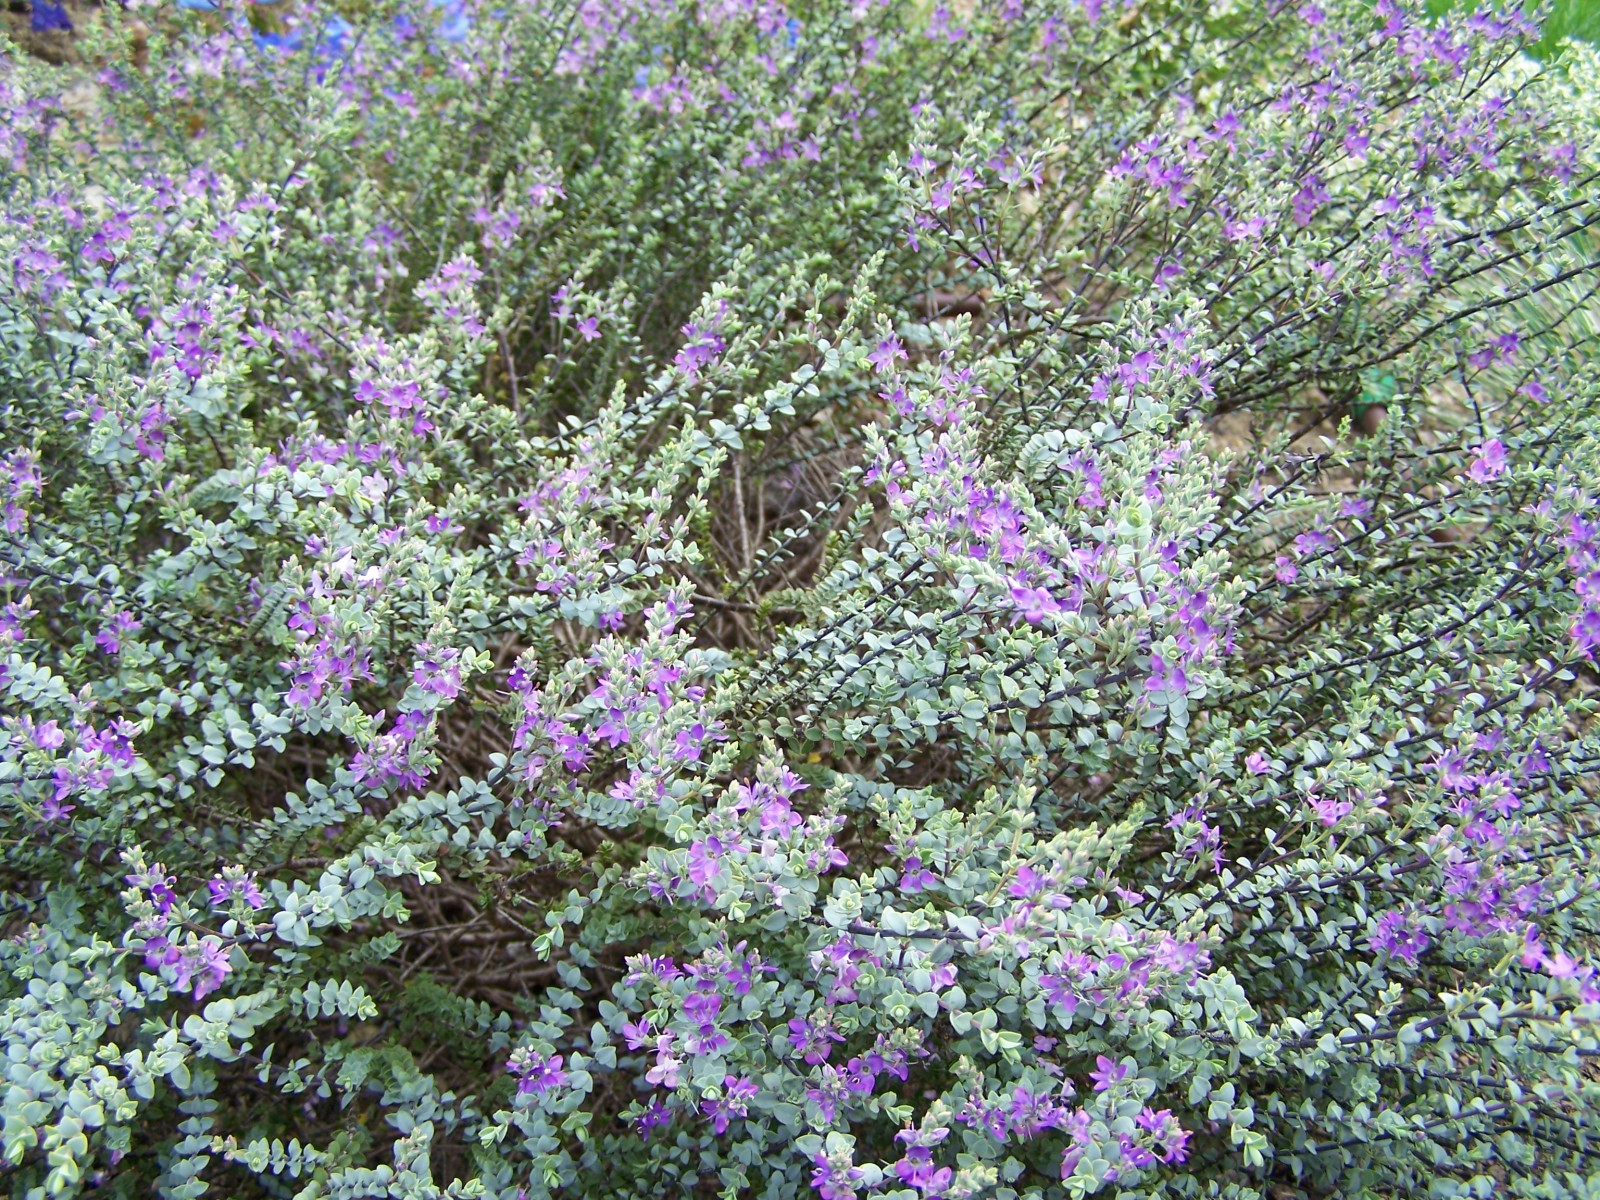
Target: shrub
{"x": 631, "y": 599}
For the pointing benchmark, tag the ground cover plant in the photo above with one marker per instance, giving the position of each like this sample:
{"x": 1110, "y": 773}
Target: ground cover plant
{"x": 864, "y": 600}
{"x": 1560, "y": 21}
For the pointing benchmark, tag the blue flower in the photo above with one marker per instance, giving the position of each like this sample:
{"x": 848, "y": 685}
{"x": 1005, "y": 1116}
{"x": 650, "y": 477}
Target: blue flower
{"x": 336, "y": 35}
{"x": 48, "y": 17}
{"x": 456, "y": 24}
{"x": 332, "y": 43}
{"x": 281, "y": 42}
{"x": 211, "y": 6}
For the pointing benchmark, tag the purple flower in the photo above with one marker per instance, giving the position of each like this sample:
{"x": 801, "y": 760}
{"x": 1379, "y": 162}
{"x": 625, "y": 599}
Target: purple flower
{"x": 734, "y": 1102}
{"x": 1166, "y": 678}
{"x": 1058, "y": 990}
{"x": 667, "y": 1065}
{"x": 1107, "y": 1072}
{"x": 705, "y": 860}
{"x": 1077, "y": 1126}
{"x": 814, "y": 1041}
{"x": 409, "y": 724}
{"x": 536, "y": 1074}
{"x": 224, "y": 889}
{"x": 702, "y": 1007}
{"x": 574, "y": 749}
{"x": 438, "y": 674}
{"x": 642, "y": 966}
{"x": 13, "y": 619}
{"x": 1093, "y": 495}
{"x": 46, "y": 735}
{"x": 687, "y": 745}
{"x": 1035, "y": 603}
{"x": 1029, "y": 1113}
{"x": 162, "y": 895}
{"x": 109, "y": 639}
{"x": 203, "y": 965}
{"x": 157, "y": 884}
{"x": 886, "y": 352}
{"x": 917, "y": 1170}
{"x": 1586, "y": 632}
{"x": 835, "y": 1177}
{"x": 1311, "y": 542}
{"x": 1490, "y": 462}
{"x": 703, "y": 345}
{"x": 1205, "y": 838}
{"x": 656, "y": 1114}
{"x": 1311, "y": 196}
{"x": 916, "y": 877}
{"x": 1453, "y": 774}
{"x": 1327, "y": 810}
{"x": 1398, "y": 936}
{"x": 209, "y": 967}
{"x": 1028, "y": 884}
{"x": 1175, "y": 1146}
{"x": 1133, "y": 1154}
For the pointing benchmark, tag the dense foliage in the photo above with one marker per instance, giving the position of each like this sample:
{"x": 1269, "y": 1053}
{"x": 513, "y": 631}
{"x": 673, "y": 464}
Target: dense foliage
{"x": 655, "y": 597}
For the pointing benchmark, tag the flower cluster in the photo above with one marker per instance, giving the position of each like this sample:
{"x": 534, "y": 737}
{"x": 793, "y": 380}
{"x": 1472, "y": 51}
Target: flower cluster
{"x": 191, "y": 962}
